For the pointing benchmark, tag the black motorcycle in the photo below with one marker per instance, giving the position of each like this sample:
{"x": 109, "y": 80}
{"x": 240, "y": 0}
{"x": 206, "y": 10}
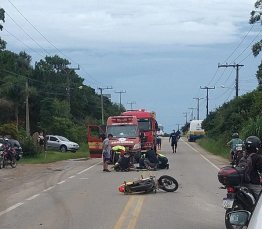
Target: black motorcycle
{"x": 238, "y": 197}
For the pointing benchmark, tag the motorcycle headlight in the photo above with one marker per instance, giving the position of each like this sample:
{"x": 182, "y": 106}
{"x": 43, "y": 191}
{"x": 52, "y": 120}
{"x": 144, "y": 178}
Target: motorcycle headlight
{"x": 137, "y": 146}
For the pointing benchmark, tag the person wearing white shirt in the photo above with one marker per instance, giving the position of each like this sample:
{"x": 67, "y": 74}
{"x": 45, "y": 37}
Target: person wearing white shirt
{"x": 159, "y": 135}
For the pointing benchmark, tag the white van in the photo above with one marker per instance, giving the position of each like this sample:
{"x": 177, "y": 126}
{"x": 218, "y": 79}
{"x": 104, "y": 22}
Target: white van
{"x": 195, "y": 130}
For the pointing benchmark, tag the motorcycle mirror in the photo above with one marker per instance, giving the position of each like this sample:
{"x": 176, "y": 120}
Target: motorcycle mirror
{"x": 239, "y": 218}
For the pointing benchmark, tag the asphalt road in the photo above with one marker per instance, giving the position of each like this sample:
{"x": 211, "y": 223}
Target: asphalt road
{"x": 78, "y": 195}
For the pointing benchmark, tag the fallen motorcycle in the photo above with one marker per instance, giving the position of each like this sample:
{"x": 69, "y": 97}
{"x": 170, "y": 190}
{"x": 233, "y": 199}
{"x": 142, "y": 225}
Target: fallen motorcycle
{"x": 150, "y": 184}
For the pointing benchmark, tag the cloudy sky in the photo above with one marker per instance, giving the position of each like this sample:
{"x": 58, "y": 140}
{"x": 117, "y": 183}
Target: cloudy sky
{"x": 160, "y": 52}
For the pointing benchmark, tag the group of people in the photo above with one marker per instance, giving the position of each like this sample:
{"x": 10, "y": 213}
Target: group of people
{"x": 252, "y": 145}
{"x": 149, "y": 160}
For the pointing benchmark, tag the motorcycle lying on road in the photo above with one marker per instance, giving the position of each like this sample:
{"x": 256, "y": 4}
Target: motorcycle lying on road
{"x": 5, "y": 160}
{"x": 150, "y": 184}
{"x": 238, "y": 197}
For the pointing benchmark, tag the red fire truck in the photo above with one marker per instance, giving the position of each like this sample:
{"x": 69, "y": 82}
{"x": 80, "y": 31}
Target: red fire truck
{"x": 147, "y": 124}
{"x": 125, "y": 133}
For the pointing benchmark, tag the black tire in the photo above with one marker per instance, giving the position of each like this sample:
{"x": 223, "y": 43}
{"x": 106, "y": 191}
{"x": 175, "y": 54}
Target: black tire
{"x": 63, "y": 148}
{"x": 236, "y": 206}
{"x": 13, "y": 163}
{"x": 168, "y": 183}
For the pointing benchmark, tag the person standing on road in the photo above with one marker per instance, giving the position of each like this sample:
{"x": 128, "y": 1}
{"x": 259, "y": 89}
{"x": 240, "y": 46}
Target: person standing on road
{"x": 159, "y": 135}
{"x": 173, "y": 136}
{"x": 106, "y": 152}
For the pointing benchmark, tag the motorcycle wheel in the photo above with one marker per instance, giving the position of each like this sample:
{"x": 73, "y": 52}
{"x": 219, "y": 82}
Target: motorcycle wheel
{"x": 168, "y": 183}
{"x": 13, "y": 163}
{"x": 1, "y": 163}
{"x": 236, "y": 206}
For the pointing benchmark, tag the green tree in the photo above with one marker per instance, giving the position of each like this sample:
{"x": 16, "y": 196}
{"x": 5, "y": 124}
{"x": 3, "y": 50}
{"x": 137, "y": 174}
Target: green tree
{"x": 2, "y": 18}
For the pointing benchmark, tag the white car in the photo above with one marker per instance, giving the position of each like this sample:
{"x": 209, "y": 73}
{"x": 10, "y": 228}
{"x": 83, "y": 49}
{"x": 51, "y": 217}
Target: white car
{"x": 60, "y": 143}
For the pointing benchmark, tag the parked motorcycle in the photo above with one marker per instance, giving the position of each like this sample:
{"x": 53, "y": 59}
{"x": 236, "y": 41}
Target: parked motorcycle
{"x": 146, "y": 185}
{"x": 4, "y": 159}
{"x": 238, "y": 197}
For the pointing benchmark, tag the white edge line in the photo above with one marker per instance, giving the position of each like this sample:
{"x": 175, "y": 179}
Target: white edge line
{"x": 10, "y": 209}
{"x": 89, "y": 168}
{"x": 202, "y": 156}
{"x": 33, "y": 197}
{"x": 71, "y": 177}
{"x": 61, "y": 182}
{"x": 48, "y": 189}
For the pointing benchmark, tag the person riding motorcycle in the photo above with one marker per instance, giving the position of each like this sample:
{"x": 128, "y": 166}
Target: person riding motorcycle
{"x": 252, "y": 146}
{"x": 6, "y": 147}
{"x": 233, "y": 144}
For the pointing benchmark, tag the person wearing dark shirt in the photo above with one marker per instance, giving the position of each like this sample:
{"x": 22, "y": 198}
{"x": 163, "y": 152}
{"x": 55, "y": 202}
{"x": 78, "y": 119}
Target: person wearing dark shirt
{"x": 252, "y": 145}
{"x": 173, "y": 136}
{"x": 150, "y": 160}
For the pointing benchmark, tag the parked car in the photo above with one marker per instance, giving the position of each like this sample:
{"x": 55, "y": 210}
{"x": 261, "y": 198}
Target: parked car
{"x": 244, "y": 219}
{"x": 14, "y": 144}
{"x": 61, "y": 143}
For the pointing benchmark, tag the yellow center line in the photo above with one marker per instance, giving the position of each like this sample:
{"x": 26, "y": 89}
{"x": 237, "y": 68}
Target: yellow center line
{"x": 136, "y": 212}
{"x": 125, "y": 212}
{"x": 132, "y": 223}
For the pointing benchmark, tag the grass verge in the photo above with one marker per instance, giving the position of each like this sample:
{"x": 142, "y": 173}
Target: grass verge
{"x": 215, "y": 147}
{"x": 53, "y": 156}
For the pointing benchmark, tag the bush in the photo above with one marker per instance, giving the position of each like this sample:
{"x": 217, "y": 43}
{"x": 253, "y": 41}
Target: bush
{"x": 29, "y": 149}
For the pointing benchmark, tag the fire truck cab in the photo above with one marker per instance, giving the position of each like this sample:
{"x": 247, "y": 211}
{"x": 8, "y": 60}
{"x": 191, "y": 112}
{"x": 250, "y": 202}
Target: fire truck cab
{"x": 125, "y": 133}
{"x": 147, "y": 126}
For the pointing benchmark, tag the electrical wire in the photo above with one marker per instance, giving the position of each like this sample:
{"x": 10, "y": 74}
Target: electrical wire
{"x": 99, "y": 83}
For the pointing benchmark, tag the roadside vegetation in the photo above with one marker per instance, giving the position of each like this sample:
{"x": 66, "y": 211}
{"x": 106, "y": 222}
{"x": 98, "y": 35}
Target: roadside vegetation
{"x": 58, "y": 101}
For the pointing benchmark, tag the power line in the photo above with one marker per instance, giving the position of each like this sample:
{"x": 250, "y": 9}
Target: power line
{"x": 237, "y": 70}
{"x": 48, "y": 42}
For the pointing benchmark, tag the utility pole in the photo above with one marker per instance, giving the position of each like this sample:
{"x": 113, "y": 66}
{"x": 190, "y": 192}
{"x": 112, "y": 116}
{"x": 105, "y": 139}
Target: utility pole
{"x": 131, "y": 104}
{"x": 102, "y": 103}
{"x": 185, "y": 116}
{"x": 237, "y": 73}
{"x": 192, "y": 113}
{"x": 178, "y": 126}
{"x": 207, "y": 88}
{"x": 27, "y": 124}
{"x": 68, "y": 71}
{"x": 198, "y": 107}
{"x": 120, "y": 93}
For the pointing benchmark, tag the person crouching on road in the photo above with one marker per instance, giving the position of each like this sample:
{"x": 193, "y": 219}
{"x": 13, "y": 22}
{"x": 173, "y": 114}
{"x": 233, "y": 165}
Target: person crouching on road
{"x": 106, "y": 152}
{"x": 117, "y": 152}
{"x": 123, "y": 163}
{"x": 162, "y": 161}
{"x": 151, "y": 161}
